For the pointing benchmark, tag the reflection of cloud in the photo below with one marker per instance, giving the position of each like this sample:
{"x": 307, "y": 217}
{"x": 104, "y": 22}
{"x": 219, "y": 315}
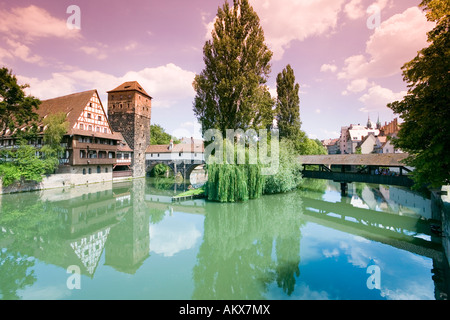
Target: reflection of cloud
{"x": 302, "y": 291}
{"x": 46, "y": 293}
{"x": 411, "y": 291}
{"x": 172, "y": 235}
{"x": 329, "y": 254}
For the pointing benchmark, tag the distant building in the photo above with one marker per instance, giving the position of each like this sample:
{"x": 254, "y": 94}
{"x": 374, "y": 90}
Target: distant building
{"x": 332, "y": 145}
{"x": 353, "y": 135}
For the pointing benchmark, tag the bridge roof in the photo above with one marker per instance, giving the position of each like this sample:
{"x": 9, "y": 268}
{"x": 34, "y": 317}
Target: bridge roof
{"x": 181, "y": 147}
{"x": 382, "y": 159}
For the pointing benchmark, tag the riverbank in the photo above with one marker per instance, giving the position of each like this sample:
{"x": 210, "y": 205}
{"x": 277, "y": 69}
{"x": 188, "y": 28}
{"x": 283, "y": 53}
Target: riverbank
{"x": 60, "y": 180}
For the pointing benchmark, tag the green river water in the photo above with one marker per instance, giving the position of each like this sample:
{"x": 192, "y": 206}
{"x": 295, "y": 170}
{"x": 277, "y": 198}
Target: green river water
{"x": 128, "y": 240}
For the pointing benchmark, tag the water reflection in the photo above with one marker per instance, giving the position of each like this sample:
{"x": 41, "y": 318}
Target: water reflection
{"x": 277, "y": 247}
{"x": 247, "y": 246}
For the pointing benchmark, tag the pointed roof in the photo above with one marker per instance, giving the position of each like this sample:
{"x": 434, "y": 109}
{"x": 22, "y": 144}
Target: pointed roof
{"x": 130, "y": 86}
{"x": 72, "y": 105}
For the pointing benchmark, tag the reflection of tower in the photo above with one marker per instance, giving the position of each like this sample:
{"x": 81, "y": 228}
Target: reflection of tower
{"x": 129, "y": 242}
{"x": 129, "y": 112}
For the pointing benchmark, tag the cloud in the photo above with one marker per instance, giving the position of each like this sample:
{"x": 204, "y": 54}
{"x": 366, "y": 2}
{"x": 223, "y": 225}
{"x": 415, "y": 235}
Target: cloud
{"x": 23, "y": 52}
{"x": 355, "y": 9}
{"x": 172, "y": 236}
{"x": 167, "y": 84}
{"x": 328, "y": 67}
{"x": 32, "y": 22}
{"x": 93, "y": 51}
{"x": 388, "y": 48}
{"x": 358, "y": 85}
{"x": 378, "y": 97}
{"x": 285, "y": 21}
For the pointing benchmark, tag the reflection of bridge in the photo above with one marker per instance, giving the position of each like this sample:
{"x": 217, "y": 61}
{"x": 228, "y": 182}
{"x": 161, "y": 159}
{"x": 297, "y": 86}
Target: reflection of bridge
{"x": 358, "y": 168}
{"x": 182, "y": 158}
{"x": 408, "y": 233}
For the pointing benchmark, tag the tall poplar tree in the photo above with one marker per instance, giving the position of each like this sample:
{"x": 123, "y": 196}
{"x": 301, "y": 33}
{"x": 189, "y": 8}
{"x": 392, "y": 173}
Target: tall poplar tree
{"x": 288, "y": 104}
{"x": 288, "y": 107}
{"x": 231, "y": 91}
{"x": 425, "y": 109}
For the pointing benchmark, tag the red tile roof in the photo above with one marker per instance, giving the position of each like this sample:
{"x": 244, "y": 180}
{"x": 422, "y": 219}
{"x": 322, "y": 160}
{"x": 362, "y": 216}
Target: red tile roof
{"x": 130, "y": 86}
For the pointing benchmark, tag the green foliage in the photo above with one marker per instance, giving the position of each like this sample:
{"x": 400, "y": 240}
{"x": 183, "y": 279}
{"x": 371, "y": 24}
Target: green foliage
{"x": 231, "y": 91}
{"x": 159, "y": 136}
{"x": 289, "y": 175}
{"x": 16, "y": 109}
{"x": 288, "y": 105}
{"x": 308, "y": 146}
{"x": 159, "y": 170}
{"x": 28, "y": 163}
{"x": 424, "y": 110}
{"x": 233, "y": 182}
{"x": 57, "y": 127}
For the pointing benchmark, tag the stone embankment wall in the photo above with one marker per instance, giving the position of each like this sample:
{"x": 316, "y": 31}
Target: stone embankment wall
{"x": 66, "y": 177}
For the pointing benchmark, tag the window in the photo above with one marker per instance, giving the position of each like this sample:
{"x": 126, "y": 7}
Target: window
{"x": 99, "y": 170}
{"x": 99, "y": 118}
{"x": 179, "y": 154}
{"x": 88, "y": 115}
{"x": 90, "y": 128}
{"x": 98, "y": 129}
{"x": 81, "y": 126}
{"x": 90, "y": 171}
{"x": 106, "y": 170}
{"x": 84, "y": 171}
{"x": 105, "y": 130}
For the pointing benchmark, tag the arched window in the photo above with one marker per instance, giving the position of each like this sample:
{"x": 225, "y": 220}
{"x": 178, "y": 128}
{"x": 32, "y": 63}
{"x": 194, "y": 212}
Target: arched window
{"x": 84, "y": 171}
{"x": 99, "y": 170}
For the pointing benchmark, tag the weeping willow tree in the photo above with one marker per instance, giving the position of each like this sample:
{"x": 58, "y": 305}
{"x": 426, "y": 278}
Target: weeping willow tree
{"x": 229, "y": 180}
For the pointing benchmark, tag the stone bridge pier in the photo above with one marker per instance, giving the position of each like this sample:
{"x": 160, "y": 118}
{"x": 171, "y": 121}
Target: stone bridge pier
{"x": 184, "y": 167}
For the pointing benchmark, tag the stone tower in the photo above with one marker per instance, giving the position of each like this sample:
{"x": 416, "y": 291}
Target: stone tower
{"x": 129, "y": 112}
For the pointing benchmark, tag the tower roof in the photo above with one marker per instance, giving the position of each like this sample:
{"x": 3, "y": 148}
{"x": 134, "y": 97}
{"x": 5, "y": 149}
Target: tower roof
{"x": 130, "y": 86}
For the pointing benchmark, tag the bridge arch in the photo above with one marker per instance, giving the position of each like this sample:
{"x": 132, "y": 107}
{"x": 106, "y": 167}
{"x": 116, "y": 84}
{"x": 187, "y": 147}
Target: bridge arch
{"x": 185, "y": 168}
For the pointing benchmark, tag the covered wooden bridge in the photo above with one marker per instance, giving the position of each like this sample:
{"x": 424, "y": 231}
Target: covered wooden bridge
{"x": 369, "y": 168}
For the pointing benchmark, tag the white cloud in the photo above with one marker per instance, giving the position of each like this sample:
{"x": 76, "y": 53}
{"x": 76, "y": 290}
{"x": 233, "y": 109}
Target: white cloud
{"x": 32, "y": 22}
{"x": 285, "y": 21}
{"x": 167, "y": 84}
{"x": 358, "y": 85}
{"x": 172, "y": 236}
{"x": 93, "y": 51}
{"x": 378, "y": 97}
{"x": 328, "y": 67}
{"x": 355, "y": 9}
{"x": 388, "y": 48}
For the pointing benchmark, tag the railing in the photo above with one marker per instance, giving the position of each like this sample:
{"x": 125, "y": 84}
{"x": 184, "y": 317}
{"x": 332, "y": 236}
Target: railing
{"x": 350, "y": 177}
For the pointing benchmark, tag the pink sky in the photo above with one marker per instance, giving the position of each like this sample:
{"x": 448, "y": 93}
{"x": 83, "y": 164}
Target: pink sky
{"x": 346, "y": 70}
